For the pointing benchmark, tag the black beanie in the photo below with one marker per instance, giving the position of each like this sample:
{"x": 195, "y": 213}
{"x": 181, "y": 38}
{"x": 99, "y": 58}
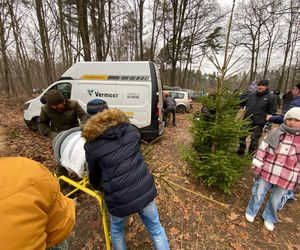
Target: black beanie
{"x": 96, "y": 105}
{"x": 54, "y": 97}
{"x": 263, "y": 82}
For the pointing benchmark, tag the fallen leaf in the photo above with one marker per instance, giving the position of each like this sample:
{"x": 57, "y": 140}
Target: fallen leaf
{"x": 236, "y": 246}
{"x": 233, "y": 216}
{"x": 288, "y": 219}
{"x": 130, "y": 220}
{"x": 289, "y": 246}
{"x": 242, "y": 224}
{"x": 174, "y": 231}
{"x": 130, "y": 236}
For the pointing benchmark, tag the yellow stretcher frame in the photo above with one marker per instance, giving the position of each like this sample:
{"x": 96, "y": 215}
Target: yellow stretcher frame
{"x": 81, "y": 185}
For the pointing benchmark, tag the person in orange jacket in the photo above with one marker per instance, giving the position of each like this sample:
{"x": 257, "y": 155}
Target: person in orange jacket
{"x": 34, "y": 213}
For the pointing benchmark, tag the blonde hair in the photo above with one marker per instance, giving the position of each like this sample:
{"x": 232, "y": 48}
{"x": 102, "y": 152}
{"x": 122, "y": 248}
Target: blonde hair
{"x": 2, "y": 139}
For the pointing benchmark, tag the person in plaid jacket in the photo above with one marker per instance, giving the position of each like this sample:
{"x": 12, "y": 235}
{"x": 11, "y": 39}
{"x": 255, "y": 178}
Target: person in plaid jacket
{"x": 276, "y": 166}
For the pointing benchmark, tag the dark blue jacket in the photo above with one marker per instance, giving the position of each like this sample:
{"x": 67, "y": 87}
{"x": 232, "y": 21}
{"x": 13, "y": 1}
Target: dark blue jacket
{"x": 116, "y": 163}
{"x": 279, "y": 118}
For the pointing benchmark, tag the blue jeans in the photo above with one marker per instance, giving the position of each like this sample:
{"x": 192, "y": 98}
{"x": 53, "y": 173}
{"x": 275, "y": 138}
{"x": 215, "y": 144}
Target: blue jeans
{"x": 289, "y": 195}
{"x": 259, "y": 191}
{"x": 149, "y": 216}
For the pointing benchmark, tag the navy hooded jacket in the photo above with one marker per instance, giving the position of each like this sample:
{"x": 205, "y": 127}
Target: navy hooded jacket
{"x": 278, "y": 119}
{"x": 116, "y": 164}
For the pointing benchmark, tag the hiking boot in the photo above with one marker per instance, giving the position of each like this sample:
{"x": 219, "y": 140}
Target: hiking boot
{"x": 60, "y": 170}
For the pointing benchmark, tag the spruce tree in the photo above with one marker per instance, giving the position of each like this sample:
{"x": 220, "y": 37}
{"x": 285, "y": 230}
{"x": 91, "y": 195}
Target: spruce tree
{"x": 216, "y": 131}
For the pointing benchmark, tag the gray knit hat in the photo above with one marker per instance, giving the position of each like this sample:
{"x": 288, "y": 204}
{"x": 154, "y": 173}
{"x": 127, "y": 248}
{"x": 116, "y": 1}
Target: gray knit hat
{"x": 54, "y": 97}
{"x": 293, "y": 113}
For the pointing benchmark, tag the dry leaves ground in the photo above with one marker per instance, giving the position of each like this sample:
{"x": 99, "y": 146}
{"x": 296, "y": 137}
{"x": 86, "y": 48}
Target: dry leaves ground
{"x": 190, "y": 221}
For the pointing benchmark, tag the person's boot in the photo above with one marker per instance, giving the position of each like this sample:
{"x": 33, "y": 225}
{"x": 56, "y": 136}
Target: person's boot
{"x": 60, "y": 170}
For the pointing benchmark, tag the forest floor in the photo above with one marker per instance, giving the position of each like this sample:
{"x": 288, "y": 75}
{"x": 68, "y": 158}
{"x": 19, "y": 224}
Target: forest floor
{"x": 190, "y": 221}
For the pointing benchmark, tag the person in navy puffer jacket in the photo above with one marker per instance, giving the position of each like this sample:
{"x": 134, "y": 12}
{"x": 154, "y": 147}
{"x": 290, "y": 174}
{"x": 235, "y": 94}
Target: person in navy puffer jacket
{"x": 278, "y": 119}
{"x": 117, "y": 167}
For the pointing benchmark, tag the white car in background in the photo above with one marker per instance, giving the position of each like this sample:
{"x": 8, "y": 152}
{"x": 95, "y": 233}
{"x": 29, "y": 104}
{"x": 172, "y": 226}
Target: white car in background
{"x": 184, "y": 102}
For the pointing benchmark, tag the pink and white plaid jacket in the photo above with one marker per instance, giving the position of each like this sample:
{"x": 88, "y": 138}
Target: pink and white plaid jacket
{"x": 279, "y": 166}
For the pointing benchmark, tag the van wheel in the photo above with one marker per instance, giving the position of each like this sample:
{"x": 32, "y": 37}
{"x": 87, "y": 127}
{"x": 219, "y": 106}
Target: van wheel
{"x": 33, "y": 124}
{"x": 180, "y": 109}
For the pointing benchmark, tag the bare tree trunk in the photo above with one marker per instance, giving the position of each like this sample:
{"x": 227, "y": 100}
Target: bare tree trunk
{"x": 252, "y": 77}
{"x": 272, "y": 38}
{"x": 7, "y": 80}
{"x": 296, "y": 68}
{"x": 293, "y": 46}
{"x": 189, "y": 76}
{"x": 268, "y": 58}
{"x": 164, "y": 56}
{"x": 108, "y": 29}
{"x": 22, "y": 67}
{"x": 136, "y": 42}
{"x": 256, "y": 54}
{"x": 64, "y": 39}
{"x": 83, "y": 28}
{"x": 286, "y": 52}
{"x": 44, "y": 41}
{"x": 97, "y": 16}
{"x": 179, "y": 11}
{"x": 141, "y": 18}
{"x": 154, "y": 37}
{"x": 293, "y": 18}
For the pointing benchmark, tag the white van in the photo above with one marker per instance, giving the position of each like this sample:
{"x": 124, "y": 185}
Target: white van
{"x": 133, "y": 87}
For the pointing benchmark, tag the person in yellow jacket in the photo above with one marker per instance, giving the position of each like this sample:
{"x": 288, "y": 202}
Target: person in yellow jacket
{"x": 34, "y": 213}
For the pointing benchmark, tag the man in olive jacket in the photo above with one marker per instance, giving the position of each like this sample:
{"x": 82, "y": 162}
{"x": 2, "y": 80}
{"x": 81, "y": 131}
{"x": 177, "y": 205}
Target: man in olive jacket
{"x": 59, "y": 114}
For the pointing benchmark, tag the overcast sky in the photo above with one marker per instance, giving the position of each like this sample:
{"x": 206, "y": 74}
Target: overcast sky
{"x": 227, "y": 3}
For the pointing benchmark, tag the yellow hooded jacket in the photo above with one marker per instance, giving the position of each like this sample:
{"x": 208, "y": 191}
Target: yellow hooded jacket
{"x": 34, "y": 214}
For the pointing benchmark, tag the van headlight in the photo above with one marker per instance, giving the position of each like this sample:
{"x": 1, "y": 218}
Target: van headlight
{"x": 26, "y": 105}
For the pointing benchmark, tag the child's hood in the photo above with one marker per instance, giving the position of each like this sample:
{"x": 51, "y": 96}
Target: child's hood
{"x": 100, "y": 122}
